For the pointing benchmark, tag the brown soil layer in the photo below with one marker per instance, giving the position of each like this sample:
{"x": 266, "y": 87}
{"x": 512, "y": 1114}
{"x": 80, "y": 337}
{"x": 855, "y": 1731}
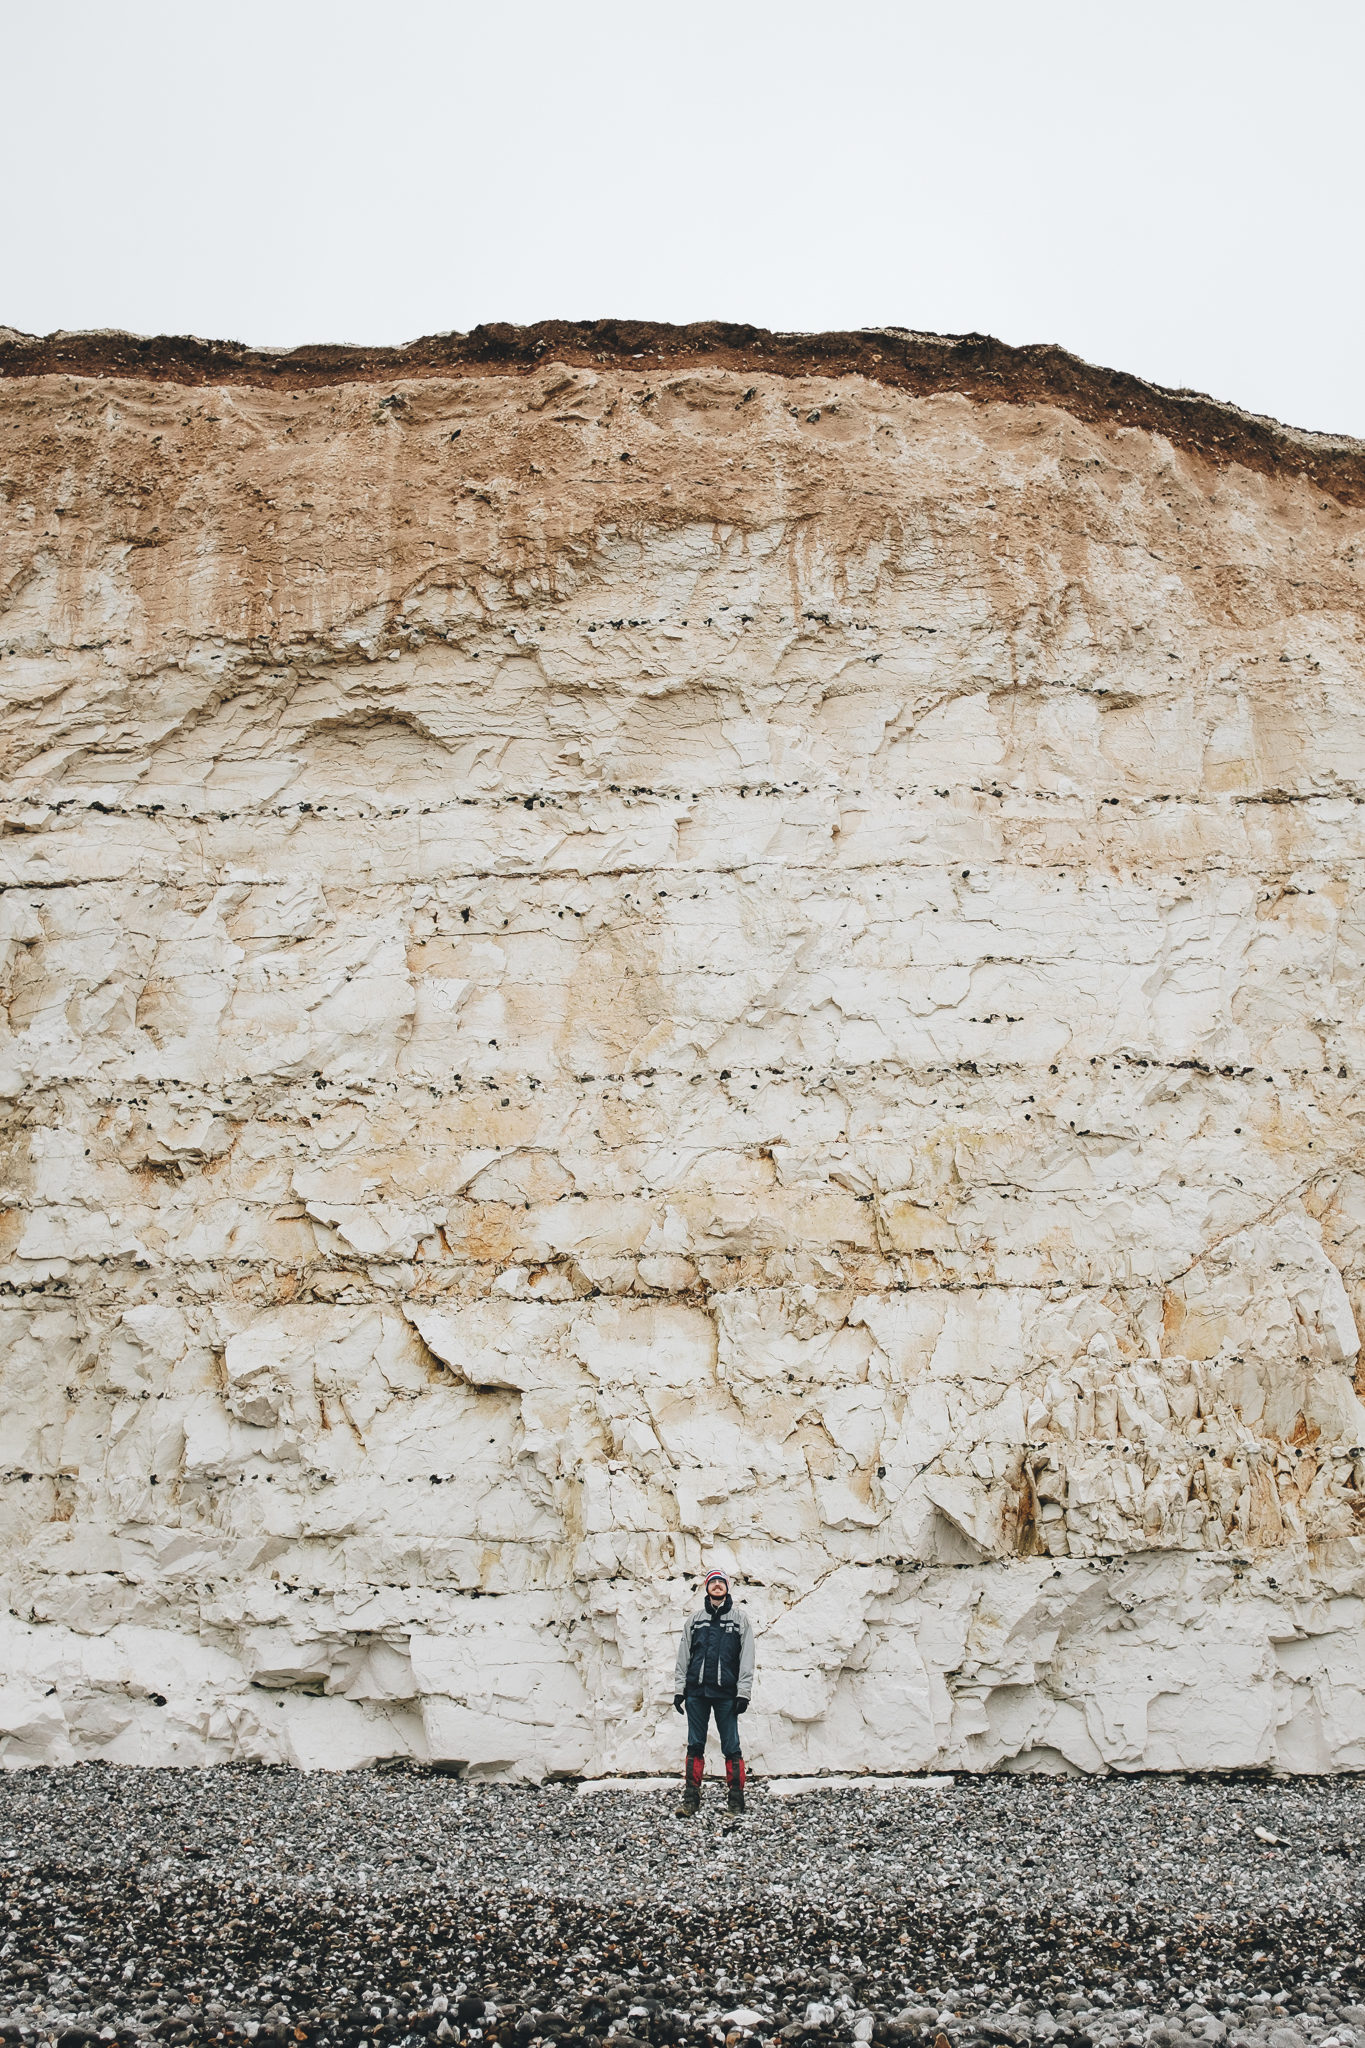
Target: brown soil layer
{"x": 976, "y": 365}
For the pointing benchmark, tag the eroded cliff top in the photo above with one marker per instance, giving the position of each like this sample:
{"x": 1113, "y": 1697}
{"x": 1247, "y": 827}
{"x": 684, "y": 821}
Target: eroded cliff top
{"x": 977, "y": 365}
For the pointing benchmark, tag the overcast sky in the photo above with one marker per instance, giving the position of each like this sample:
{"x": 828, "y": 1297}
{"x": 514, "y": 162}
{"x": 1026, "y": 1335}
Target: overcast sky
{"x": 1172, "y": 189}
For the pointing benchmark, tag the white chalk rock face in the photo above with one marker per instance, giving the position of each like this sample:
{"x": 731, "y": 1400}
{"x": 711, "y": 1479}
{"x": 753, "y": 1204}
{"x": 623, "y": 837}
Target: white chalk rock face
{"x": 793, "y": 1002}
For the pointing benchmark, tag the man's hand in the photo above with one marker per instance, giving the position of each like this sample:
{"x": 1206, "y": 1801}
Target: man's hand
{"x": 679, "y": 1702}
{"x": 741, "y": 1706}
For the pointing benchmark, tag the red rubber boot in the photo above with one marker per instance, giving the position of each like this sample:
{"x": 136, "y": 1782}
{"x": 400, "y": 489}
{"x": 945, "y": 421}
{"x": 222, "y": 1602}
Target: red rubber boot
{"x": 692, "y": 1776}
{"x": 734, "y": 1779}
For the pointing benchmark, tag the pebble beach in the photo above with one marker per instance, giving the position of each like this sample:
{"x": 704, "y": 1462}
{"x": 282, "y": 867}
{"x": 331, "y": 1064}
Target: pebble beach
{"x": 401, "y": 1906}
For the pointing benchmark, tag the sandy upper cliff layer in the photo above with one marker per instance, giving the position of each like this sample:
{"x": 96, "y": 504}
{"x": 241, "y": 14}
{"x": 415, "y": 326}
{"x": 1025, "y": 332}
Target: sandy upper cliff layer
{"x": 613, "y": 963}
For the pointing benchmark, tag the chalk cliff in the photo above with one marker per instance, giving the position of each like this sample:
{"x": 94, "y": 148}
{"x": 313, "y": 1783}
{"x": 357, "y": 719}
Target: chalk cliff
{"x": 623, "y": 950}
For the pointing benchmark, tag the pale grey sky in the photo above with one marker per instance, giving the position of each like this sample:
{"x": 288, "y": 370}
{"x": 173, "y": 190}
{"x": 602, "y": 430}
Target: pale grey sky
{"x": 1172, "y": 189}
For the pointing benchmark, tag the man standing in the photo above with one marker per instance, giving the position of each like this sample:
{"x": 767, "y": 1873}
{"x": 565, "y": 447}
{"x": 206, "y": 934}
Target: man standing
{"x": 715, "y": 1675}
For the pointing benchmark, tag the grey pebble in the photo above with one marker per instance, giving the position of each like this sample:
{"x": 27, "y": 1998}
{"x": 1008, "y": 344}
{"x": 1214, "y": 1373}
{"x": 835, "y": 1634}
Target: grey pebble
{"x": 401, "y": 1907}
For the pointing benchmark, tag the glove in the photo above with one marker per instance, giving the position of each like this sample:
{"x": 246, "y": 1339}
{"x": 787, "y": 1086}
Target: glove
{"x": 679, "y": 1701}
{"x": 741, "y": 1706}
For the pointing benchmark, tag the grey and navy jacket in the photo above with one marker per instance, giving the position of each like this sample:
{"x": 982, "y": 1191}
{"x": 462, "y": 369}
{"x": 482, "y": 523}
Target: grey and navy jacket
{"x": 716, "y": 1654}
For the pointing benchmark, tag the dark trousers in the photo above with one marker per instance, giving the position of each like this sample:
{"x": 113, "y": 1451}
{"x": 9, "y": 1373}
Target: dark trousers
{"x": 699, "y": 1712}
